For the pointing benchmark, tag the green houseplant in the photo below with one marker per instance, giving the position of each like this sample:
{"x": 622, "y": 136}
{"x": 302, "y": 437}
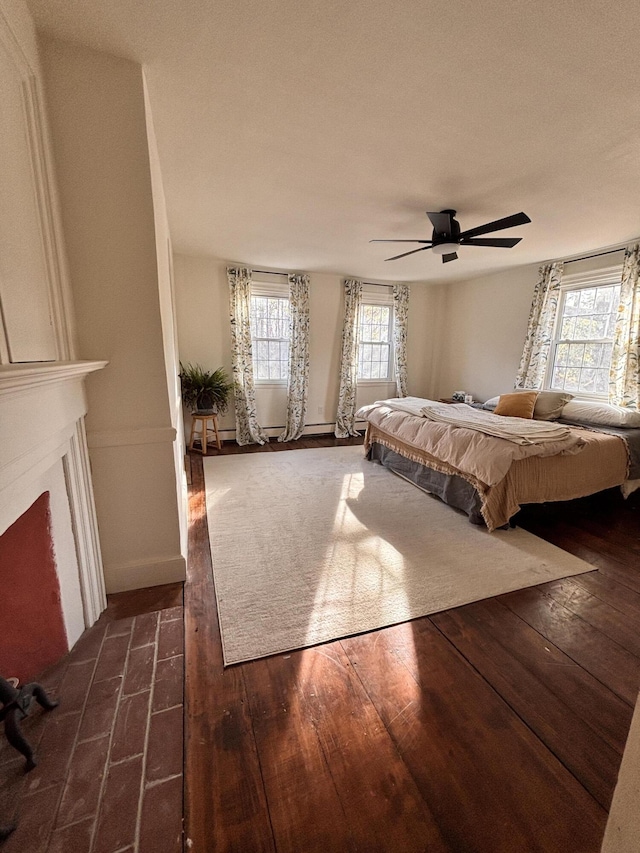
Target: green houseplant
{"x": 203, "y": 390}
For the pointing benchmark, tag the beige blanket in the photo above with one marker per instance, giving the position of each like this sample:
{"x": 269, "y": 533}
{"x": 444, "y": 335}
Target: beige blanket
{"x": 483, "y": 457}
{"x": 517, "y": 430}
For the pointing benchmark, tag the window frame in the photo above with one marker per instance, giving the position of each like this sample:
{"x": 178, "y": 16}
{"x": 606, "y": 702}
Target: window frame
{"x": 376, "y": 299}
{"x": 606, "y": 277}
{"x": 276, "y": 290}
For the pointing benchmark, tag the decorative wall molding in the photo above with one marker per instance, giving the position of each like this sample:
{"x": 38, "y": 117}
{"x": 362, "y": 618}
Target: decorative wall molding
{"x": 131, "y": 437}
{"x": 49, "y": 220}
{"x": 57, "y": 277}
{"x": 85, "y": 528}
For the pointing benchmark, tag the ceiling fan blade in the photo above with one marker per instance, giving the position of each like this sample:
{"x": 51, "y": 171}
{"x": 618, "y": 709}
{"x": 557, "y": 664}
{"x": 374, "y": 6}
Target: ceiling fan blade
{"x": 503, "y": 242}
{"x": 451, "y": 257}
{"x": 412, "y": 252}
{"x": 441, "y": 222}
{"x": 400, "y": 241}
{"x": 498, "y": 225}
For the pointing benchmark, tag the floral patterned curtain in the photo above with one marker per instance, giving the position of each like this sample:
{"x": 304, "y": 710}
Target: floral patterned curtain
{"x": 542, "y": 317}
{"x": 400, "y": 317}
{"x": 248, "y": 430}
{"x": 298, "y": 382}
{"x": 624, "y": 375}
{"x": 346, "y": 414}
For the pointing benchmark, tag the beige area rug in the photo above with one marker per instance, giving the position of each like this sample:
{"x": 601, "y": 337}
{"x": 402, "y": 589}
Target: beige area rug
{"x": 312, "y": 545}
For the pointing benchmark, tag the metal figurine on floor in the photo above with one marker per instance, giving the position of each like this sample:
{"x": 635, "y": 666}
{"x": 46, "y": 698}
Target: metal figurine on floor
{"x": 15, "y": 707}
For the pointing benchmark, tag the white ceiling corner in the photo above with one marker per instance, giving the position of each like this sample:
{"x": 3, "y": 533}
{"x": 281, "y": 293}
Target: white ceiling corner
{"x": 290, "y": 134}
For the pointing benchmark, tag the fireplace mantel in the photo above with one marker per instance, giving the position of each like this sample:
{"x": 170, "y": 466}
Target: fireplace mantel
{"x": 22, "y": 377}
{"x": 43, "y": 448}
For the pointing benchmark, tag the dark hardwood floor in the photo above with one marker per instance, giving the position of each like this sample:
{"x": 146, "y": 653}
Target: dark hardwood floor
{"x": 497, "y": 727}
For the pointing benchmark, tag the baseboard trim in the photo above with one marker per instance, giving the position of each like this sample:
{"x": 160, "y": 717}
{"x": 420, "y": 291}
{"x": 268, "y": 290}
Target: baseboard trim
{"x": 139, "y": 574}
{"x": 310, "y": 429}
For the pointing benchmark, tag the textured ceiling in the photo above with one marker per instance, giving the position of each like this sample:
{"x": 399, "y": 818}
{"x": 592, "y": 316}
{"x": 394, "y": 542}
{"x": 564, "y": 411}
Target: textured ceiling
{"x": 292, "y": 132}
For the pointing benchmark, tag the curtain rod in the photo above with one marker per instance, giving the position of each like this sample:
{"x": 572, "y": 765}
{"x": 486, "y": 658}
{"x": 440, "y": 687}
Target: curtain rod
{"x": 596, "y": 255}
{"x": 268, "y": 272}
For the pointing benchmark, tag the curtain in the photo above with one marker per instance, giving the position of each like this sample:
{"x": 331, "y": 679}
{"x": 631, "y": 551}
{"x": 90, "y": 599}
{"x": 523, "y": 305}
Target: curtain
{"x": 248, "y": 430}
{"x": 298, "y": 382}
{"x": 400, "y": 316}
{"x": 346, "y": 414}
{"x": 624, "y": 375}
{"x": 542, "y": 317}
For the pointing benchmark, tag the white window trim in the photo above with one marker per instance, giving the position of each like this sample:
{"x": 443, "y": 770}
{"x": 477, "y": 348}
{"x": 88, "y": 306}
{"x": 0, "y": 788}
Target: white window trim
{"x": 380, "y": 296}
{"x": 264, "y": 286}
{"x": 605, "y": 277}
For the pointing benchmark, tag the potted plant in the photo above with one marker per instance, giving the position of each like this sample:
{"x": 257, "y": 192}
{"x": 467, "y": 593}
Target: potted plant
{"x": 205, "y": 391}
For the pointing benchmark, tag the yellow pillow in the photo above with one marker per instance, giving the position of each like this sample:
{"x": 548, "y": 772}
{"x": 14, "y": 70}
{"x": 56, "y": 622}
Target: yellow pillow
{"x": 518, "y": 405}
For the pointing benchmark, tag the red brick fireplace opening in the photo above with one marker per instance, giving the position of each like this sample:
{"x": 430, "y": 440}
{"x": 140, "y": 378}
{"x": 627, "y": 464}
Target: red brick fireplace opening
{"x": 32, "y": 631}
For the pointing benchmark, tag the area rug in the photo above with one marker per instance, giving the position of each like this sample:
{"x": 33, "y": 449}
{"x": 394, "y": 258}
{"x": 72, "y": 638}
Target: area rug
{"x": 313, "y": 545}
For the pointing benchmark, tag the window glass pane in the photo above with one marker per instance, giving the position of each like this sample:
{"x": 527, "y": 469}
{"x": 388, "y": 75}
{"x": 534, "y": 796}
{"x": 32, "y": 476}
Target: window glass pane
{"x": 559, "y": 375}
{"x": 568, "y": 326}
{"x": 580, "y": 364}
{"x": 591, "y": 355}
{"x": 602, "y": 381}
{"x": 572, "y": 379}
{"x": 571, "y": 303}
{"x": 374, "y": 351}
{"x": 588, "y": 380}
{"x": 270, "y": 337}
{"x": 576, "y": 352}
{"x": 582, "y": 329}
{"x": 603, "y": 300}
{"x": 587, "y": 300}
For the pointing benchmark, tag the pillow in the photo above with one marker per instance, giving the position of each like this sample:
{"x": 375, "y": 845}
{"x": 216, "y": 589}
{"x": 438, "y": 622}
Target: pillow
{"x": 520, "y": 404}
{"x": 590, "y": 412}
{"x": 549, "y": 404}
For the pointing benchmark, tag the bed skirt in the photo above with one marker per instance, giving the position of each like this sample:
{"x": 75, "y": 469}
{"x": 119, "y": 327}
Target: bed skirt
{"x": 451, "y": 489}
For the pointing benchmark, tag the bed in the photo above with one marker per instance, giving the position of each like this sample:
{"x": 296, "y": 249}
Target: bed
{"x": 456, "y": 463}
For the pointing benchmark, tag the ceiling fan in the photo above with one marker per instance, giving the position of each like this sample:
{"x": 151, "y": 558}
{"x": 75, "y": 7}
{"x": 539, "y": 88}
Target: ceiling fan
{"x": 447, "y": 237}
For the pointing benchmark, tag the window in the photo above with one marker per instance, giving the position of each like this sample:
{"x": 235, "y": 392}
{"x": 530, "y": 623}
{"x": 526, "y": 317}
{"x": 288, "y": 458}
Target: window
{"x": 270, "y": 337}
{"x": 374, "y": 354}
{"x": 581, "y": 350}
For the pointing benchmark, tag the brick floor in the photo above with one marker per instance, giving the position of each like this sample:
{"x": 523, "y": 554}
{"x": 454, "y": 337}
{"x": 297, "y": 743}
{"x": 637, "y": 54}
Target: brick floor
{"x": 110, "y": 757}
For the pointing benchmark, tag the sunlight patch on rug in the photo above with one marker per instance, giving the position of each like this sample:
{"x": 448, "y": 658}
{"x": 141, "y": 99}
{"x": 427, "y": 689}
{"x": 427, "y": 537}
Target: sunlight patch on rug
{"x": 312, "y": 545}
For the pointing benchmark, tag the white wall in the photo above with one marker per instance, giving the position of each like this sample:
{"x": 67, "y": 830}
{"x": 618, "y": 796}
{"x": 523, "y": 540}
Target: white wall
{"x": 483, "y": 331}
{"x": 483, "y": 323}
{"x": 202, "y": 305}
{"x": 101, "y": 149}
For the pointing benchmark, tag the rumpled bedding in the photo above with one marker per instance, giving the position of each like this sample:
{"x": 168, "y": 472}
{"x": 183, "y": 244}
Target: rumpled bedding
{"x": 517, "y": 430}
{"x": 486, "y": 458}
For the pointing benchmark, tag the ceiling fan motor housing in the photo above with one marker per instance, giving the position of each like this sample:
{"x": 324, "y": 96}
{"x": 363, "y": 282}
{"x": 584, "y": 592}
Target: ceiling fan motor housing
{"x": 451, "y": 235}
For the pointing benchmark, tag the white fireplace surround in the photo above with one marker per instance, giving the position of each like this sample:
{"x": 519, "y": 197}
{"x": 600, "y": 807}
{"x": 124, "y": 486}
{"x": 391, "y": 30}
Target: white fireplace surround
{"x": 43, "y": 448}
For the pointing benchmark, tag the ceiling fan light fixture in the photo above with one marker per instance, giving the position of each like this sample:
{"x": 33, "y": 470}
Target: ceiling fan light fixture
{"x": 446, "y": 248}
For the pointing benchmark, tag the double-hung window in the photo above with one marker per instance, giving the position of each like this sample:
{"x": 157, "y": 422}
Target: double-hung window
{"x": 375, "y": 351}
{"x": 270, "y": 314}
{"x": 581, "y": 349}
